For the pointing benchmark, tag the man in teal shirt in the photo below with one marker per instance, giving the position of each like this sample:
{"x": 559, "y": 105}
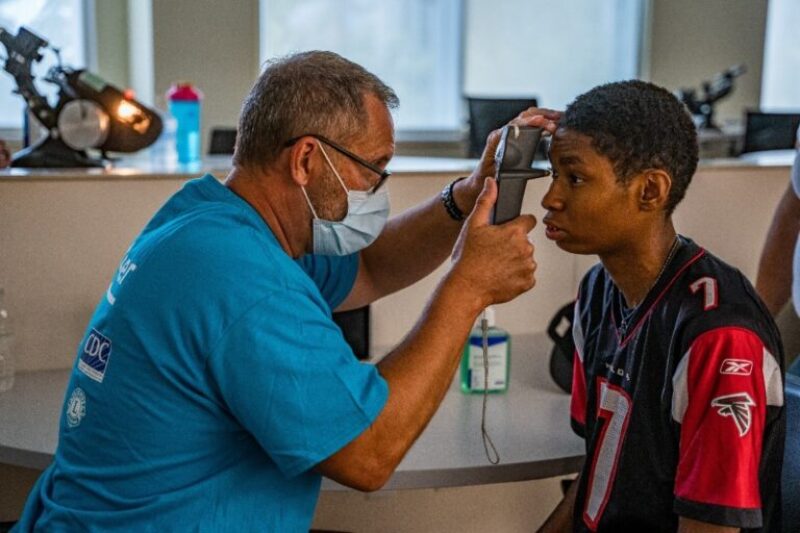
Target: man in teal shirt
{"x": 212, "y": 389}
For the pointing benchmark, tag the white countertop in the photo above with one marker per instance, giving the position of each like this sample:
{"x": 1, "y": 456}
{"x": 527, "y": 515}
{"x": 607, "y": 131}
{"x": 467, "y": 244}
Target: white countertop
{"x": 529, "y": 425}
{"x": 142, "y": 167}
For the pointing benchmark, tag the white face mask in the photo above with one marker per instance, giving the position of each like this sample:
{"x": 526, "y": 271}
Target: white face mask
{"x": 366, "y": 216}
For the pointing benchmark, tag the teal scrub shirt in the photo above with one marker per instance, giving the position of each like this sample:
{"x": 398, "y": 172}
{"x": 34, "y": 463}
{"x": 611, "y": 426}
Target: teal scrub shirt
{"x": 209, "y": 383}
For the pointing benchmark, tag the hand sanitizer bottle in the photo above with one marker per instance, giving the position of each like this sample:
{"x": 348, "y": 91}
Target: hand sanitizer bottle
{"x": 473, "y": 370}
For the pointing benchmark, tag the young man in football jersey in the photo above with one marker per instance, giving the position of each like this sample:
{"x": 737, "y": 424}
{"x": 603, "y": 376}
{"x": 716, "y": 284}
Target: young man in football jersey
{"x": 678, "y": 377}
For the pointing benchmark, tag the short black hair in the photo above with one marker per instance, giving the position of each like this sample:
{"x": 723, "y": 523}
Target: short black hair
{"x": 638, "y": 126}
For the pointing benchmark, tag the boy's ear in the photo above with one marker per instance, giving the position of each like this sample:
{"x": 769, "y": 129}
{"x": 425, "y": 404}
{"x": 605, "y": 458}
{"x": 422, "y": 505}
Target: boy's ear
{"x": 654, "y": 192}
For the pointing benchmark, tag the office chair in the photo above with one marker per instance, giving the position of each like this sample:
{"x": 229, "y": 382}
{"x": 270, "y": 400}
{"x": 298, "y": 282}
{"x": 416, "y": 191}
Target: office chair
{"x": 222, "y": 142}
{"x": 487, "y": 114}
{"x": 769, "y": 131}
{"x": 790, "y": 482}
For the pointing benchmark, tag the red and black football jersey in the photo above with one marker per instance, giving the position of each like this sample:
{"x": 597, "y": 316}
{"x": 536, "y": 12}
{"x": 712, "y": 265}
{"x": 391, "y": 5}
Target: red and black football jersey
{"x": 680, "y": 401}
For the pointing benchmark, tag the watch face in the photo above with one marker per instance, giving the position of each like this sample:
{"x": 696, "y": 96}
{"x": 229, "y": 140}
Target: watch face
{"x": 83, "y": 124}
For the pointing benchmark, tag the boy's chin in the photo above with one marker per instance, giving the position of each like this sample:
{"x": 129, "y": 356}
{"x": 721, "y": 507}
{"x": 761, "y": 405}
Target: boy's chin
{"x": 575, "y": 248}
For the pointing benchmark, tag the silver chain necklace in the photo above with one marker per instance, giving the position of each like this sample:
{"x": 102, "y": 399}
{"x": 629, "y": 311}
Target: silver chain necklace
{"x": 625, "y": 316}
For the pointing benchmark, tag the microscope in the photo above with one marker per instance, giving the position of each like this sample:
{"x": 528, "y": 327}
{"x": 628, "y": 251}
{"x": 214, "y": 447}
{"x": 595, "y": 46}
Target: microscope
{"x": 702, "y": 107}
{"x": 90, "y": 113}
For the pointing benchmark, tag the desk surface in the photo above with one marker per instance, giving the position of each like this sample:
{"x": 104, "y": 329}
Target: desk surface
{"x": 143, "y": 167}
{"x": 529, "y": 425}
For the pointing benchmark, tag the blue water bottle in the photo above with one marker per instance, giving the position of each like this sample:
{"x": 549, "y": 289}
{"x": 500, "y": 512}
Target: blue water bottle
{"x": 184, "y": 104}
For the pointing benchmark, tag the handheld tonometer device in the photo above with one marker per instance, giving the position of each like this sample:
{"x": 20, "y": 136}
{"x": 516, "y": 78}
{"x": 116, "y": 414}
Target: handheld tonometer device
{"x": 513, "y": 160}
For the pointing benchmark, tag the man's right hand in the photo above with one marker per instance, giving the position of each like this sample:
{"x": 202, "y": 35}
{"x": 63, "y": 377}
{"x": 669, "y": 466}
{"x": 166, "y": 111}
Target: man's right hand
{"x": 495, "y": 262}
{"x": 492, "y": 264}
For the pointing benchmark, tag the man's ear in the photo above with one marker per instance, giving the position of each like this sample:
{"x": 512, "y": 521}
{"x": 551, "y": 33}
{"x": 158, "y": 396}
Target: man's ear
{"x": 301, "y": 162}
{"x": 655, "y": 185}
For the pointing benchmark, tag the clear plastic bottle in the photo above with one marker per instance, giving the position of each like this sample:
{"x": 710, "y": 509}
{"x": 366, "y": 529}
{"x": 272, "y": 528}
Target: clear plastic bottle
{"x": 6, "y": 355}
{"x": 164, "y": 152}
{"x": 499, "y": 356}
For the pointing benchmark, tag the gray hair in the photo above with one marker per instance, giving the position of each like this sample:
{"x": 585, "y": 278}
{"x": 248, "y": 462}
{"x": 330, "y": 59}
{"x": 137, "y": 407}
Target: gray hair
{"x": 310, "y": 92}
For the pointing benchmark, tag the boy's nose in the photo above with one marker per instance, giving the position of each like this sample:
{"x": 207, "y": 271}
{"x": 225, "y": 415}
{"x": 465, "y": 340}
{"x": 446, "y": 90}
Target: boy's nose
{"x": 552, "y": 200}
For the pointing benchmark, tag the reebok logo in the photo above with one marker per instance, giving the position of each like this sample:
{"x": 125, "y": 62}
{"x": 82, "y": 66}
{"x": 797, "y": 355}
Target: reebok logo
{"x": 736, "y": 367}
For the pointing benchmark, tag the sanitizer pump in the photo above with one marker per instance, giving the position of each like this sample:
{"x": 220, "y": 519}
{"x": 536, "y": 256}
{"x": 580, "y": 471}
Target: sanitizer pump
{"x": 490, "y": 371}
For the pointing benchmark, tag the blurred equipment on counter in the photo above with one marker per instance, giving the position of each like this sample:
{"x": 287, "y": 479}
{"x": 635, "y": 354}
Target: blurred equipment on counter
{"x": 769, "y": 131}
{"x": 702, "y": 107}
{"x": 488, "y": 114}
{"x": 223, "y": 141}
{"x": 184, "y": 104}
{"x": 89, "y": 113}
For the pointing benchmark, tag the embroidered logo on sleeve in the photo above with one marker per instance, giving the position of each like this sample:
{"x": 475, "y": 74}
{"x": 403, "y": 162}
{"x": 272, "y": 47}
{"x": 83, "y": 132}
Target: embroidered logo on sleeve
{"x": 76, "y": 407}
{"x": 94, "y": 355}
{"x": 737, "y": 406}
{"x": 736, "y": 367}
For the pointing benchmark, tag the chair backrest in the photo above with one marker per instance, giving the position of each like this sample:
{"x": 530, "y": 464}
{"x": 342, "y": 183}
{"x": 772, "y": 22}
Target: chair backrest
{"x": 355, "y": 326}
{"x": 487, "y": 114}
{"x": 769, "y": 131}
{"x": 790, "y": 483}
{"x": 222, "y": 142}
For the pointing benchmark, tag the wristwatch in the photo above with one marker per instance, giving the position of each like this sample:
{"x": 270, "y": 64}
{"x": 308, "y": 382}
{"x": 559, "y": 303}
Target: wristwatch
{"x": 450, "y": 203}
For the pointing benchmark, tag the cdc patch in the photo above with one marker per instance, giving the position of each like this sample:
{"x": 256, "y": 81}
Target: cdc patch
{"x": 94, "y": 355}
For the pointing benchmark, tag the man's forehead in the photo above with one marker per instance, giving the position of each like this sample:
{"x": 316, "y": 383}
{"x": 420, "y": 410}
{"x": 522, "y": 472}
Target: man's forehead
{"x": 378, "y": 137}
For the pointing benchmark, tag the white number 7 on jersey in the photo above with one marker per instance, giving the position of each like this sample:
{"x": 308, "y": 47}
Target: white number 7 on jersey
{"x": 614, "y": 408}
{"x": 709, "y": 285}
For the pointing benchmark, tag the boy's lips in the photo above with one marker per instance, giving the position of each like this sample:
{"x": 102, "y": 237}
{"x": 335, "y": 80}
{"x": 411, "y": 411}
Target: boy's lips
{"x": 552, "y": 231}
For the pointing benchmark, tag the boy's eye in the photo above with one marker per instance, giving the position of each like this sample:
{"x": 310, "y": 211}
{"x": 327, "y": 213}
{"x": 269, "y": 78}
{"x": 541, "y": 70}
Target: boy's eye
{"x": 572, "y": 178}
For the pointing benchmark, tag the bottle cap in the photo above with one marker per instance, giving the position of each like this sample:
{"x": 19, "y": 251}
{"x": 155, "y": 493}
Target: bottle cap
{"x": 490, "y": 318}
{"x": 184, "y": 91}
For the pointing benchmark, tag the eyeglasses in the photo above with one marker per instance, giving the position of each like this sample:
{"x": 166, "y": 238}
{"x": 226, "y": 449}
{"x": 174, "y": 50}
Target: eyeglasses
{"x": 383, "y": 174}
